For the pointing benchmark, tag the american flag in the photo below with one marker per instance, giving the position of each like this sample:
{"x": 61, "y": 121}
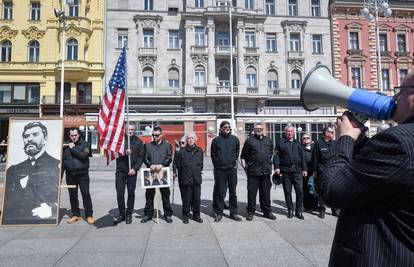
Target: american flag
{"x": 111, "y": 113}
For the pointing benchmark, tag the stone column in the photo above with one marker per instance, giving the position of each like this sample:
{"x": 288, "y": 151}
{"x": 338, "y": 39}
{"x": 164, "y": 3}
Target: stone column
{"x": 240, "y": 58}
{"x": 261, "y": 71}
{"x": 189, "y": 68}
{"x": 211, "y": 84}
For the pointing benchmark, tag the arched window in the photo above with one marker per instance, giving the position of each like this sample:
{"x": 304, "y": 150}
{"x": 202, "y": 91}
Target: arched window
{"x": 251, "y": 78}
{"x": 34, "y": 51}
{"x": 6, "y": 50}
{"x": 148, "y": 78}
{"x": 72, "y": 51}
{"x": 200, "y": 76}
{"x": 272, "y": 81}
{"x": 224, "y": 77}
{"x": 173, "y": 78}
{"x": 296, "y": 79}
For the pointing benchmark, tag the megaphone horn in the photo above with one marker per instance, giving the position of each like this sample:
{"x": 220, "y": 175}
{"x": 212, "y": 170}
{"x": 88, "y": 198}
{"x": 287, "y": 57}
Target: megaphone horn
{"x": 321, "y": 89}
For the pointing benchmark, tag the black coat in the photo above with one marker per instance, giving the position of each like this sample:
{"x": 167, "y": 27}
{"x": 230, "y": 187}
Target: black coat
{"x": 76, "y": 159}
{"x": 308, "y": 153}
{"x": 291, "y": 156}
{"x": 137, "y": 156}
{"x": 322, "y": 152}
{"x": 225, "y": 150}
{"x": 375, "y": 191}
{"x": 189, "y": 164}
{"x": 257, "y": 154}
{"x": 158, "y": 154}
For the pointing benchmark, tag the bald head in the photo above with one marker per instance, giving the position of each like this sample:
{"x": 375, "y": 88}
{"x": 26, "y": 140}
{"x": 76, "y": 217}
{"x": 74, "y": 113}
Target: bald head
{"x": 408, "y": 80}
{"x": 405, "y": 99}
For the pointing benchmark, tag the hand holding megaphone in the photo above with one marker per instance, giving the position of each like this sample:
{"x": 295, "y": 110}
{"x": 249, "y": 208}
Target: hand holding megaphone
{"x": 347, "y": 124}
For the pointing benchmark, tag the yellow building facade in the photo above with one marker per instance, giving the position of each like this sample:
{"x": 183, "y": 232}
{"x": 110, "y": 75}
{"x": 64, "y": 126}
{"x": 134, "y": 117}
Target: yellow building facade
{"x": 30, "y": 59}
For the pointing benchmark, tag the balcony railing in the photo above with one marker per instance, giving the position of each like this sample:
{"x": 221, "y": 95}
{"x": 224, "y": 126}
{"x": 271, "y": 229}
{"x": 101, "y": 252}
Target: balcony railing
{"x": 199, "y": 50}
{"x": 200, "y": 89}
{"x": 283, "y": 92}
{"x": 402, "y": 53}
{"x": 295, "y": 55}
{"x": 252, "y": 90}
{"x": 225, "y": 50}
{"x": 252, "y": 50}
{"x": 222, "y": 89}
{"x": 147, "y": 51}
{"x": 73, "y": 100}
{"x": 171, "y": 91}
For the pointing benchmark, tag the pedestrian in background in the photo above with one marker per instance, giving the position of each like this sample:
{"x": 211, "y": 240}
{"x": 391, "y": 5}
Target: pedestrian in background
{"x": 309, "y": 198}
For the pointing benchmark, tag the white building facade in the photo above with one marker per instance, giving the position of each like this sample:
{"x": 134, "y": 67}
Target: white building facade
{"x": 178, "y": 61}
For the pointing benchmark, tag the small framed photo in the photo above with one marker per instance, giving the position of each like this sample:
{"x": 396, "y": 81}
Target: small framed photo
{"x": 152, "y": 179}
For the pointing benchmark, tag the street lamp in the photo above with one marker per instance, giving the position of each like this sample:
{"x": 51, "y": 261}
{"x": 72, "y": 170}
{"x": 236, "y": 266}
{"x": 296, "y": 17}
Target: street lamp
{"x": 299, "y": 130}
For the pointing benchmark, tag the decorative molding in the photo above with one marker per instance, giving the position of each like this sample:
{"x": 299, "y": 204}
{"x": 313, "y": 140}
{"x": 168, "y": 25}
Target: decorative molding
{"x": 148, "y": 21}
{"x": 7, "y": 33}
{"x": 294, "y": 26}
{"x": 72, "y": 30}
{"x": 251, "y": 60}
{"x": 33, "y": 33}
{"x": 296, "y": 64}
{"x": 354, "y": 26}
{"x": 199, "y": 59}
{"x": 147, "y": 61}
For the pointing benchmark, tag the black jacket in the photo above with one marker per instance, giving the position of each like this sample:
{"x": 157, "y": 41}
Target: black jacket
{"x": 225, "y": 151}
{"x": 257, "y": 154}
{"x": 158, "y": 154}
{"x": 322, "y": 152}
{"x": 76, "y": 160}
{"x": 189, "y": 164}
{"x": 308, "y": 153}
{"x": 137, "y": 156}
{"x": 291, "y": 156}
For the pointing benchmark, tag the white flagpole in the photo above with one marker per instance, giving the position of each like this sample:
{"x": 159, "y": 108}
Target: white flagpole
{"x": 127, "y": 107}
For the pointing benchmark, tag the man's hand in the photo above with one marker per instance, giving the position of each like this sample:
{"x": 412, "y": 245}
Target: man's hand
{"x": 347, "y": 125}
{"x": 277, "y": 171}
{"x": 43, "y": 212}
{"x": 304, "y": 173}
{"x": 175, "y": 176}
{"x": 128, "y": 151}
{"x": 132, "y": 172}
{"x": 71, "y": 145}
{"x": 314, "y": 174}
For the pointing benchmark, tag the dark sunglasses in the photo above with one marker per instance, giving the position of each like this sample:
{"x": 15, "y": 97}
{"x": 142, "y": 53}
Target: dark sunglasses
{"x": 226, "y": 127}
{"x": 305, "y": 137}
{"x": 398, "y": 90}
{"x": 258, "y": 129}
{"x": 182, "y": 143}
{"x": 156, "y": 135}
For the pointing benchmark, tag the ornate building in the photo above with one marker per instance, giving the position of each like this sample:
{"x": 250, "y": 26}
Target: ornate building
{"x": 179, "y": 62}
{"x": 30, "y": 58}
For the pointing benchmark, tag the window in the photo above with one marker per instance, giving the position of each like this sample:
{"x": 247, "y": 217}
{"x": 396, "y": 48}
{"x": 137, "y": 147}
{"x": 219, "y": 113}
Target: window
{"x": 148, "y": 78}
{"x": 223, "y": 40}
{"x": 271, "y": 45}
{"x": 401, "y": 45}
{"x": 84, "y": 94}
{"x": 385, "y": 79}
{"x": 383, "y": 42}
{"x": 296, "y": 79}
{"x": 66, "y": 93}
{"x": 353, "y": 41}
{"x": 148, "y": 4}
{"x": 356, "y": 77}
{"x": 7, "y": 10}
{"x": 199, "y": 36}
{"x": 74, "y": 9}
{"x": 200, "y": 76}
{"x": 173, "y": 39}
{"x": 122, "y": 38}
{"x": 199, "y": 3}
{"x": 35, "y": 11}
{"x": 148, "y": 38}
{"x": 316, "y": 9}
{"x": 317, "y": 44}
{"x": 6, "y": 50}
{"x": 251, "y": 81}
{"x": 249, "y": 4}
{"x": 5, "y": 93}
{"x": 33, "y": 93}
{"x": 270, "y": 7}
{"x": 402, "y": 74}
{"x": 272, "y": 81}
{"x": 293, "y": 7}
{"x": 72, "y": 51}
{"x": 19, "y": 93}
{"x": 250, "y": 39}
{"x": 34, "y": 51}
{"x": 173, "y": 78}
{"x": 295, "y": 42}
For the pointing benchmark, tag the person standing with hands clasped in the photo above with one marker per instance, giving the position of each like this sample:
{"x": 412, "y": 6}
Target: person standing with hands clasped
{"x": 256, "y": 158}
{"x": 292, "y": 166}
{"x": 126, "y": 176}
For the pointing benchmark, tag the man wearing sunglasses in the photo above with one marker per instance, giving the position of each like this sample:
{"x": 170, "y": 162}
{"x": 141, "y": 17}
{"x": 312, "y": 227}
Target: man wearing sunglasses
{"x": 225, "y": 150}
{"x": 158, "y": 154}
{"x": 373, "y": 186}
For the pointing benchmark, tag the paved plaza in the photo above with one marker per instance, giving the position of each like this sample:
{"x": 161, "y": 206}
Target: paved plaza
{"x": 261, "y": 242}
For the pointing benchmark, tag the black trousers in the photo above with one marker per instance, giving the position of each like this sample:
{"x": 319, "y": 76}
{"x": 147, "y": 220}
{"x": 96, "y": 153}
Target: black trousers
{"x": 149, "y": 204}
{"x": 309, "y": 200}
{"x": 263, "y": 184}
{"x": 220, "y": 179}
{"x": 123, "y": 180}
{"x": 321, "y": 203}
{"x": 295, "y": 179}
{"x": 81, "y": 181}
{"x": 190, "y": 195}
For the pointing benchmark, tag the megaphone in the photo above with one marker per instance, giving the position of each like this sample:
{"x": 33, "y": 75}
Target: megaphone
{"x": 321, "y": 89}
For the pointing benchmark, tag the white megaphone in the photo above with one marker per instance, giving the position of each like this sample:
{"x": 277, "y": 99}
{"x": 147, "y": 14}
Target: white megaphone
{"x": 321, "y": 89}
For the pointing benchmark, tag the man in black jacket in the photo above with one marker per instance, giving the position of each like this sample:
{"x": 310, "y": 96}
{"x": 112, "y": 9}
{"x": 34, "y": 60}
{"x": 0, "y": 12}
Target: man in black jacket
{"x": 309, "y": 198}
{"x": 76, "y": 162}
{"x": 126, "y": 176}
{"x": 322, "y": 152}
{"x": 158, "y": 154}
{"x": 292, "y": 166}
{"x": 189, "y": 164}
{"x": 225, "y": 150}
{"x": 256, "y": 158}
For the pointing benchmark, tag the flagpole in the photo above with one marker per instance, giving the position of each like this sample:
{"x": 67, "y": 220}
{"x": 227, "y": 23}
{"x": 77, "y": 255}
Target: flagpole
{"x": 127, "y": 106}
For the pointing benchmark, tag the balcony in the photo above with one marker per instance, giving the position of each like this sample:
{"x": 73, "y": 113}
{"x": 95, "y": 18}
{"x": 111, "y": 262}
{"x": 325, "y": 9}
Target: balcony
{"x": 73, "y": 100}
{"x": 199, "y": 50}
{"x": 147, "y": 51}
{"x": 167, "y": 91}
{"x": 354, "y": 52}
{"x": 296, "y": 55}
{"x": 252, "y": 50}
{"x": 283, "y": 92}
{"x": 225, "y": 50}
{"x": 223, "y": 89}
{"x": 385, "y": 53}
{"x": 402, "y": 53}
{"x": 252, "y": 90}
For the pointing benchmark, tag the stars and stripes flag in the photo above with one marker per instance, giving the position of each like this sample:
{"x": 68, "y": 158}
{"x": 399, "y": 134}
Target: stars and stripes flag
{"x": 111, "y": 113}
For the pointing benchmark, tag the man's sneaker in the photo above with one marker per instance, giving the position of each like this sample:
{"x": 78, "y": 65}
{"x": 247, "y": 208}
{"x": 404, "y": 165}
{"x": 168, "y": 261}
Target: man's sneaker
{"x": 74, "y": 219}
{"x": 270, "y": 216}
{"x": 249, "y": 216}
{"x": 235, "y": 217}
{"x": 146, "y": 219}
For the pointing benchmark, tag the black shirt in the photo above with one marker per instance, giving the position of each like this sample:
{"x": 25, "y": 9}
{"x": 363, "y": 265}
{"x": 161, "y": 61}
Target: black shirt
{"x": 291, "y": 156}
{"x": 137, "y": 155}
{"x": 158, "y": 154}
{"x": 322, "y": 152}
{"x": 257, "y": 154}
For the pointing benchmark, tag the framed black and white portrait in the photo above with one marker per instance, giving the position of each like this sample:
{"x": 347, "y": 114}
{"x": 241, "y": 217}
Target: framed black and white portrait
{"x": 32, "y": 181}
{"x": 154, "y": 179}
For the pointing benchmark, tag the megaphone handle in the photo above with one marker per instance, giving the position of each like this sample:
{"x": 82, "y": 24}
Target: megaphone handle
{"x": 359, "y": 117}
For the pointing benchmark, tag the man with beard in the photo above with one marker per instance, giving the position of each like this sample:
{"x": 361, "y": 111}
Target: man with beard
{"x": 32, "y": 185}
